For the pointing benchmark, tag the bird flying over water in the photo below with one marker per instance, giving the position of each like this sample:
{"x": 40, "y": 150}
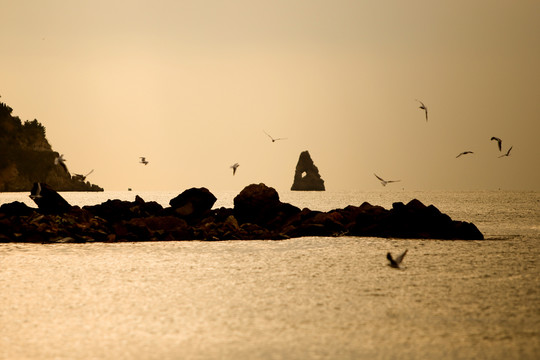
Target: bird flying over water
{"x": 234, "y": 167}
{"x": 37, "y": 193}
{"x": 499, "y": 142}
{"x": 61, "y": 161}
{"x": 507, "y": 153}
{"x": 82, "y": 177}
{"x": 465, "y": 153}
{"x": 423, "y": 107}
{"x": 273, "y": 139}
{"x": 143, "y": 160}
{"x": 397, "y": 261}
{"x": 385, "y": 182}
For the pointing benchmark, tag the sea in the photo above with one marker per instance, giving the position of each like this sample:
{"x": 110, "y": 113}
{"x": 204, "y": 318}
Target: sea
{"x": 302, "y": 298}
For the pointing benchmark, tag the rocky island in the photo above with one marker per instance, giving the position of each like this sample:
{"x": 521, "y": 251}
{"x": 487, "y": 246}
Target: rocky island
{"x": 258, "y": 214}
{"x": 306, "y": 175}
{"x": 26, "y": 157}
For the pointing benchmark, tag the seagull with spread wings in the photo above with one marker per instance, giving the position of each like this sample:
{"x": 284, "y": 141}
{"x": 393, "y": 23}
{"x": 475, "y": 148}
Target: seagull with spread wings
{"x": 507, "y": 153}
{"x": 62, "y": 162}
{"x": 273, "y": 139}
{"x": 397, "y": 261}
{"x": 234, "y": 167}
{"x": 385, "y": 182}
{"x": 499, "y": 142}
{"x": 143, "y": 160}
{"x": 464, "y": 153}
{"x": 81, "y": 177}
{"x": 37, "y": 192}
{"x": 423, "y": 107}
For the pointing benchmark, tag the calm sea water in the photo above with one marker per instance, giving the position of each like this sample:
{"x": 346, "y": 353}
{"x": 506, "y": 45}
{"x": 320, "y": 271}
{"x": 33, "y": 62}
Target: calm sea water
{"x": 306, "y": 298}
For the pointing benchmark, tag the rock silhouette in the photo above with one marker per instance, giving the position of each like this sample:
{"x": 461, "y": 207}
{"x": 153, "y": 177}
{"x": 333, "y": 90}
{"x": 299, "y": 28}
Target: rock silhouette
{"x": 258, "y": 214}
{"x": 48, "y": 200}
{"x": 306, "y": 175}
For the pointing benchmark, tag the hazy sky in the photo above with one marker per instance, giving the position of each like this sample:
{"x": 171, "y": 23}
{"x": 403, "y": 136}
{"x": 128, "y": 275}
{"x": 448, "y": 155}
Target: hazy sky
{"x": 191, "y": 85}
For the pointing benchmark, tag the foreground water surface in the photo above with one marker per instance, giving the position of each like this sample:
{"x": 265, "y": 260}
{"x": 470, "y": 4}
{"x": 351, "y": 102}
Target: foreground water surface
{"x": 331, "y": 298}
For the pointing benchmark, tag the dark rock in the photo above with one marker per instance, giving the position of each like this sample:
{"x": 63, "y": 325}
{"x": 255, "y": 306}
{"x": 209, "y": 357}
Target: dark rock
{"x": 118, "y": 210}
{"x": 193, "y": 202}
{"x": 260, "y": 204}
{"x": 258, "y": 214}
{"x": 413, "y": 220}
{"x": 16, "y": 208}
{"x": 306, "y": 175}
{"x": 114, "y": 210}
{"x": 48, "y": 200}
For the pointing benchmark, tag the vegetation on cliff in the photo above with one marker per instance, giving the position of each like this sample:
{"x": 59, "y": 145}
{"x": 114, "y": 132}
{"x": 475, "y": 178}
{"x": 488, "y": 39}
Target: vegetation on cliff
{"x": 27, "y": 157}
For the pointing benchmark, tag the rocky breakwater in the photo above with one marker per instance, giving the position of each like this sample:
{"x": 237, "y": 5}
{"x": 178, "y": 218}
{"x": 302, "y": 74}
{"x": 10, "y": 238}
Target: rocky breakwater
{"x": 257, "y": 214}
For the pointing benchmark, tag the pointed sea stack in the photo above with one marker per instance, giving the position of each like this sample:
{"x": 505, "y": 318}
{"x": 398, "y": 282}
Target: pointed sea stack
{"x": 306, "y": 175}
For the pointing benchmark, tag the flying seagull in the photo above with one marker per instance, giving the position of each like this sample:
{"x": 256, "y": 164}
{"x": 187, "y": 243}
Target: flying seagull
{"x": 234, "y": 167}
{"x": 507, "y": 153}
{"x": 499, "y": 142}
{"x": 82, "y": 177}
{"x": 397, "y": 261}
{"x": 143, "y": 160}
{"x": 273, "y": 139}
{"x": 465, "y": 153}
{"x": 385, "y": 182}
{"x": 61, "y": 161}
{"x": 423, "y": 107}
{"x": 37, "y": 194}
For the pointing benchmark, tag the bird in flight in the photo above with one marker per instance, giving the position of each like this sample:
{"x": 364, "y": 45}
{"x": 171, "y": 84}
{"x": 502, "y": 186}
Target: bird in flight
{"x": 61, "y": 161}
{"x": 385, "y": 182}
{"x": 499, "y": 142}
{"x": 143, "y": 160}
{"x": 507, "y": 153}
{"x": 273, "y": 139}
{"x": 82, "y": 177}
{"x": 465, "y": 153}
{"x": 397, "y": 261}
{"x": 37, "y": 193}
{"x": 423, "y": 107}
{"x": 234, "y": 167}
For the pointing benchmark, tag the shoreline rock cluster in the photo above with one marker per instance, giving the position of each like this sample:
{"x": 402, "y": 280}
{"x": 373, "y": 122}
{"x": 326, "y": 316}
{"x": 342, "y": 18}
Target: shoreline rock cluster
{"x": 258, "y": 214}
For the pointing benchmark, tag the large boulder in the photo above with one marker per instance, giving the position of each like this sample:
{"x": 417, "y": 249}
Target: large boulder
{"x": 48, "y": 200}
{"x": 16, "y": 208}
{"x": 193, "y": 203}
{"x": 260, "y": 204}
{"x": 306, "y": 175}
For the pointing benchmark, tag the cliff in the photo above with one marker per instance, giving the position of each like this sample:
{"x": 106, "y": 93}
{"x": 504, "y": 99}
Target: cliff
{"x": 306, "y": 175}
{"x": 27, "y": 157}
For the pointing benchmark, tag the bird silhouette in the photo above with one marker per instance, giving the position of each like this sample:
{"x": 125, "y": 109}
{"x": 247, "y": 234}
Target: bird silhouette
{"x": 61, "y": 161}
{"x": 273, "y": 139}
{"x": 37, "y": 193}
{"x": 507, "y": 153}
{"x": 82, "y": 177}
{"x": 499, "y": 142}
{"x": 234, "y": 167}
{"x": 465, "y": 153}
{"x": 394, "y": 263}
{"x": 385, "y": 182}
{"x": 143, "y": 160}
{"x": 423, "y": 107}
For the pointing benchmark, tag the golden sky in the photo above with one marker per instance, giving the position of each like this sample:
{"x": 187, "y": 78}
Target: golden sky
{"x": 192, "y": 85}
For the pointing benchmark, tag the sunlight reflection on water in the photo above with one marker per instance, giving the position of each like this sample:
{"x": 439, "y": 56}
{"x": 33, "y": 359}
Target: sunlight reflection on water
{"x": 295, "y": 299}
